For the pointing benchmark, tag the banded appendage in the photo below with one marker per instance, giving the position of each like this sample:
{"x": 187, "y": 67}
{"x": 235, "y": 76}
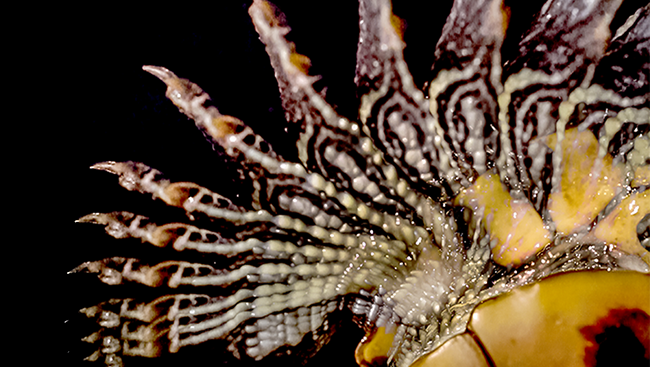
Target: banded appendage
{"x": 284, "y": 260}
{"x": 509, "y": 171}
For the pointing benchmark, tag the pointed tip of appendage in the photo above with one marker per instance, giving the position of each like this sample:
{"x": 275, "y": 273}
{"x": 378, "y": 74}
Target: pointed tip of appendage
{"x": 104, "y": 268}
{"x": 80, "y": 269}
{"x": 95, "y": 218}
{"x": 159, "y": 72}
{"x": 121, "y": 168}
{"x": 93, "y": 357}
{"x": 108, "y": 166}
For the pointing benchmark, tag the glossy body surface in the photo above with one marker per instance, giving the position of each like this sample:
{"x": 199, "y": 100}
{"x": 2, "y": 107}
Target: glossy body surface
{"x": 547, "y": 323}
{"x": 416, "y": 214}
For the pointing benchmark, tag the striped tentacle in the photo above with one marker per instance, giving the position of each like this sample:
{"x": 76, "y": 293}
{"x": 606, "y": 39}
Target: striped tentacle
{"x": 287, "y": 285}
{"x": 286, "y": 187}
{"x": 301, "y": 276}
{"x": 431, "y": 306}
{"x": 531, "y": 107}
{"x": 557, "y": 55}
{"x": 304, "y": 229}
{"x": 463, "y": 93}
{"x": 615, "y": 105}
{"x": 394, "y": 112}
{"x": 615, "y": 110}
{"x": 332, "y": 145}
{"x": 610, "y": 116}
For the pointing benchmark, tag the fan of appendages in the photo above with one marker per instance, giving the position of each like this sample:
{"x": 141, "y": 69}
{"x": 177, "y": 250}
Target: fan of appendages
{"x": 156, "y": 134}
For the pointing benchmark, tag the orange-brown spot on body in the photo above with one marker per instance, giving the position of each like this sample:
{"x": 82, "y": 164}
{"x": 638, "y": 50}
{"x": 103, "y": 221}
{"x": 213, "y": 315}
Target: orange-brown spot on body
{"x": 373, "y": 349}
{"x": 301, "y": 62}
{"x": 177, "y": 193}
{"x": 223, "y": 126}
{"x": 588, "y": 182}
{"x": 143, "y": 349}
{"x": 272, "y": 15}
{"x": 168, "y": 233}
{"x": 515, "y": 227}
{"x": 398, "y": 25}
{"x": 173, "y": 84}
{"x": 540, "y": 324}
{"x": 505, "y": 18}
{"x": 619, "y": 227}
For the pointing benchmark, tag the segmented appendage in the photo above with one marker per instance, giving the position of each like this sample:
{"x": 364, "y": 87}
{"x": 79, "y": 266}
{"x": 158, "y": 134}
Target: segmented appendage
{"x": 424, "y": 206}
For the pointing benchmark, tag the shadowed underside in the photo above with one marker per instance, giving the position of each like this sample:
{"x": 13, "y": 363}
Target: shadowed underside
{"x": 412, "y": 212}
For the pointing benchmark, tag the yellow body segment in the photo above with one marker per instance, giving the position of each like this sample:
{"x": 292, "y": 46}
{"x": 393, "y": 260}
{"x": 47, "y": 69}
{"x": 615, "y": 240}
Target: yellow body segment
{"x": 641, "y": 176}
{"x": 516, "y": 229}
{"x": 459, "y": 351}
{"x": 374, "y": 348}
{"x": 619, "y": 227}
{"x": 540, "y": 324}
{"x": 588, "y": 182}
